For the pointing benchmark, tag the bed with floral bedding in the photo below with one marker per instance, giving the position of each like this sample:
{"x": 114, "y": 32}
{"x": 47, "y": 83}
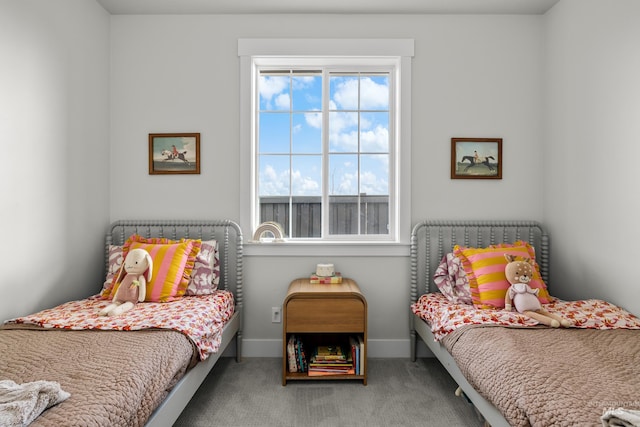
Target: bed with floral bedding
{"x": 141, "y": 367}
{"x": 515, "y": 371}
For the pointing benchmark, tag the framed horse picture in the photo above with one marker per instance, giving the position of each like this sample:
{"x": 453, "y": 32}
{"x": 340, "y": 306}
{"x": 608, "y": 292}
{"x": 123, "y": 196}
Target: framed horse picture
{"x": 174, "y": 153}
{"x": 476, "y": 158}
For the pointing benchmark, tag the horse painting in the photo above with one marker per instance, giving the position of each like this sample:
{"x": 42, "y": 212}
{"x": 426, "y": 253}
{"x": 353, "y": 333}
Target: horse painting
{"x": 171, "y": 156}
{"x": 473, "y": 161}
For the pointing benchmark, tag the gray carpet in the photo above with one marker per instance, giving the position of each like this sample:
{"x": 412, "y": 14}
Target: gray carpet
{"x": 398, "y": 393}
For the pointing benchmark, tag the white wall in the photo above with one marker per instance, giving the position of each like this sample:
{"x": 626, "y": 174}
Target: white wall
{"x": 54, "y": 125}
{"x": 477, "y": 76}
{"x": 592, "y": 201}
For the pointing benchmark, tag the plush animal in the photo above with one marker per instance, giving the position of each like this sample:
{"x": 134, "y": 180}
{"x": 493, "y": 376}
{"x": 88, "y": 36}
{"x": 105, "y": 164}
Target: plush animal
{"x": 523, "y": 297}
{"x": 134, "y": 274}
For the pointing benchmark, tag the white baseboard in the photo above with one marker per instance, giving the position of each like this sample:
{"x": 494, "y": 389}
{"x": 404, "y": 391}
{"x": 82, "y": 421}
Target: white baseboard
{"x": 377, "y": 348}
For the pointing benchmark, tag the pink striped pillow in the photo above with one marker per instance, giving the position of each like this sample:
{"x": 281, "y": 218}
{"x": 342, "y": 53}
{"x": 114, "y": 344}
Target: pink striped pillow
{"x": 173, "y": 263}
{"x": 485, "y": 271}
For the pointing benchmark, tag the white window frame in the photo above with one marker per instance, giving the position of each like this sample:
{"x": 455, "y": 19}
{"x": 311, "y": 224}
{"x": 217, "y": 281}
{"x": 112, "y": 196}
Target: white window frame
{"x": 251, "y": 53}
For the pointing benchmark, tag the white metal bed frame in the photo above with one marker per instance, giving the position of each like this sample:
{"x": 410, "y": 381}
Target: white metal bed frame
{"x": 230, "y": 245}
{"x": 430, "y": 240}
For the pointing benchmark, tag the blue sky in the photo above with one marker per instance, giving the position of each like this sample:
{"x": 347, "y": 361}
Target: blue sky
{"x": 301, "y": 102}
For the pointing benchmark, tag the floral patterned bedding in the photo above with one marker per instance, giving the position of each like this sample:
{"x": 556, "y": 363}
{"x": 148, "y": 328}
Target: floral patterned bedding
{"x": 201, "y": 318}
{"x": 445, "y": 317}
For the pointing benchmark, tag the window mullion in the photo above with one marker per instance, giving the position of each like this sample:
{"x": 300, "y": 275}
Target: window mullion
{"x": 325, "y": 208}
{"x": 291, "y": 153}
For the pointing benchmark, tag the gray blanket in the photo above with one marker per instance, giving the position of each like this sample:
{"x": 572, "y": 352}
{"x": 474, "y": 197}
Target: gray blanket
{"x": 550, "y": 377}
{"x": 115, "y": 378}
{"x": 20, "y": 404}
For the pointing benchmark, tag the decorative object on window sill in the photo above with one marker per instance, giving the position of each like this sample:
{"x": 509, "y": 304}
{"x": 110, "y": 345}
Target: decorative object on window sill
{"x": 476, "y": 158}
{"x": 268, "y": 228}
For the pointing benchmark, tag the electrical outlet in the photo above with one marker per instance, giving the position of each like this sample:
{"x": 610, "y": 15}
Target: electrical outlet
{"x": 276, "y": 315}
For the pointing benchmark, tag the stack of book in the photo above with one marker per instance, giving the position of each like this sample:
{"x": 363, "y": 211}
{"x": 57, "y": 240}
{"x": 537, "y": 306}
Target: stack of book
{"x": 296, "y": 357}
{"x": 336, "y": 278}
{"x": 331, "y": 360}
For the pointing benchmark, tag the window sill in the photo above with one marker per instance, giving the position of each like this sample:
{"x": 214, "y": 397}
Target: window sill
{"x": 326, "y": 249}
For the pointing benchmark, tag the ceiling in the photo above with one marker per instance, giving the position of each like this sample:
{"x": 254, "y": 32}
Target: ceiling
{"x": 179, "y": 7}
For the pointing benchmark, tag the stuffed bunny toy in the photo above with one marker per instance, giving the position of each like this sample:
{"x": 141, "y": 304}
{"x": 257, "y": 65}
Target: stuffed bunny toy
{"x": 134, "y": 274}
{"x": 524, "y": 298}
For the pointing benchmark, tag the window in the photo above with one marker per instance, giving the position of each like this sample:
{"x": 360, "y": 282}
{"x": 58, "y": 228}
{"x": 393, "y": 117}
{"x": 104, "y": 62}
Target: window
{"x": 323, "y": 138}
{"x": 323, "y": 147}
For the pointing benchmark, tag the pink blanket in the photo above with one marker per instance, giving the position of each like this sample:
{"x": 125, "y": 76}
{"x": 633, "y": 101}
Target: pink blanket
{"x": 445, "y": 317}
{"x": 201, "y": 318}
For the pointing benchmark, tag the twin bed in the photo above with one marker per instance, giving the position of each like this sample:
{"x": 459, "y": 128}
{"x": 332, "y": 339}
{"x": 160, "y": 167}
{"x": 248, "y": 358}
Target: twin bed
{"x": 515, "y": 372}
{"x": 142, "y": 367}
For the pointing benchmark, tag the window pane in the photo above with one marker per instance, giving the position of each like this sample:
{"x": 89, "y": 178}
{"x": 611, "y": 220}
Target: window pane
{"x": 374, "y": 92}
{"x": 374, "y": 174}
{"x": 343, "y": 132}
{"x": 374, "y": 132}
{"x": 306, "y": 175}
{"x": 307, "y": 93}
{"x": 307, "y": 133}
{"x": 343, "y": 174}
{"x": 274, "y": 133}
{"x": 274, "y": 92}
{"x": 274, "y": 176}
{"x": 374, "y": 214}
{"x": 343, "y": 92}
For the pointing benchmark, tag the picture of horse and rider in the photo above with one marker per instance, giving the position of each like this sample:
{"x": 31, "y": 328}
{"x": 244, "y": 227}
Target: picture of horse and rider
{"x": 174, "y": 153}
{"x": 476, "y": 158}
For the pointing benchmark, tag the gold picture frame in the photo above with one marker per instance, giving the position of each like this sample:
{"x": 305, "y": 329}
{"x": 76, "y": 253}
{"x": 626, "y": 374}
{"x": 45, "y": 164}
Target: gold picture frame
{"x": 174, "y": 153}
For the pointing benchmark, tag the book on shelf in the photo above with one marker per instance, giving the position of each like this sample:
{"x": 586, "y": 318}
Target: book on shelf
{"x": 355, "y": 353}
{"x": 361, "y": 355}
{"x": 329, "y": 352}
{"x": 296, "y": 356}
{"x": 291, "y": 354}
{"x": 326, "y": 280}
{"x": 319, "y": 373}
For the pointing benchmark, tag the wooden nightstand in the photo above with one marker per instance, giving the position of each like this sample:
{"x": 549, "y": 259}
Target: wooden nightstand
{"x": 321, "y": 314}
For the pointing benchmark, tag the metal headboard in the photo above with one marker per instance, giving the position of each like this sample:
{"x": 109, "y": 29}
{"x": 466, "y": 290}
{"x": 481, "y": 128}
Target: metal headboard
{"x": 430, "y": 240}
{"x": 226, "y": 232}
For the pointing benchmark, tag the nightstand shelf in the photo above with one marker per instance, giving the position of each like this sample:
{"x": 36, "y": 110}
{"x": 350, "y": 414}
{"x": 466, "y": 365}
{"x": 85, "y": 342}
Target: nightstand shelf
{"x": 323, "y": 314}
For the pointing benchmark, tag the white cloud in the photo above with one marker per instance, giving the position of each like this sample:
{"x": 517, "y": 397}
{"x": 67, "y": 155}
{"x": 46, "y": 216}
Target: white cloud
{"x": 271, "y": 86}
{"x": 370, "y": 184}
{"x": 304, "y": 185}
{"x": 273, "y": 183}
{"x": 282, "y": 101}
{"x": 314, "y": 120}
{"x": 372, "y": 94}
{"x": 375, "y": 140}
{"x": 347, "y": 184}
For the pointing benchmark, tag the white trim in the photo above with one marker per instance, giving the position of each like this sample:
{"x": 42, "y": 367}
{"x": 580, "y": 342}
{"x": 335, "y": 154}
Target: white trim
{"x": 250, "y": 49}
{"x": 325, "y": 47}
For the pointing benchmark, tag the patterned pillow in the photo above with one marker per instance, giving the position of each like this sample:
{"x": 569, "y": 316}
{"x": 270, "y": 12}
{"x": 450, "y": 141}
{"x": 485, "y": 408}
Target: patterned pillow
{"x": 172, "y": 266}
{"x": 115, "y": 262}
{"x": 485, "y": 269}
{"x": 206, "y": 271}
{"x": 452, "y": 280}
